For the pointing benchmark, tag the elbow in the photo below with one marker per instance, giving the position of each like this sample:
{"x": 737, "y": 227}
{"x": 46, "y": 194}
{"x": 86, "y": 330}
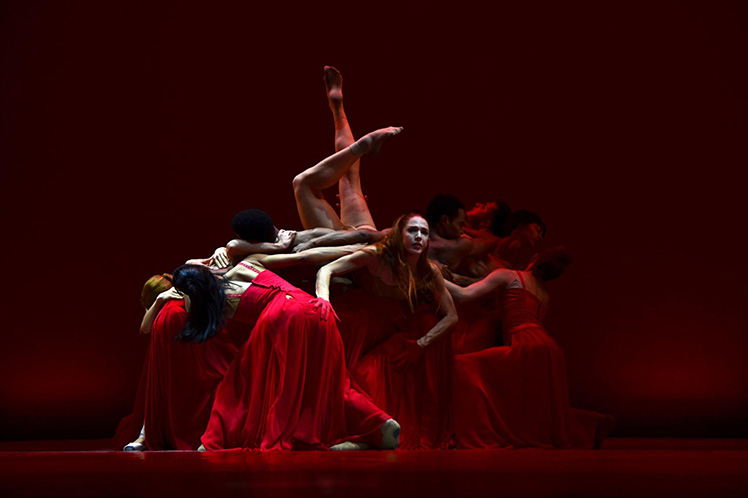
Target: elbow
{"x": 232, "y": 250}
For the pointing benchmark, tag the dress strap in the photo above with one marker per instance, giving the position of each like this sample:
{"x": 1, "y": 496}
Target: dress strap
{"x": 253, "y": 268}
{"x": 521, "y": 279}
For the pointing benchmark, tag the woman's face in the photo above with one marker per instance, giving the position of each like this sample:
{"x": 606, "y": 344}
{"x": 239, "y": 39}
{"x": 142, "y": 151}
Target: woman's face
{"x": 416, "y": 235}
{"x": 531, "y": 232}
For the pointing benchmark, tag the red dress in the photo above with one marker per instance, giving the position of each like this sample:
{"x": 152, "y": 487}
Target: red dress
{"x": 178, "y": 384}
{"x": 289, "y": 387}
{"x": 517, "y": 395}
{"x": 374, "y": 323}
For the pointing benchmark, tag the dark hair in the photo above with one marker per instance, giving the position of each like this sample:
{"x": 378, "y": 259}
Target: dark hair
{"x": 392, "y": 251}
{"x": 254, "y": 225}
{"x": 519, "y": 218}
{"x": 207, "y": 302}
{"x": 552, "y": 263}
{"x": 440, "y": 205}
{"x": 500, "y": 217}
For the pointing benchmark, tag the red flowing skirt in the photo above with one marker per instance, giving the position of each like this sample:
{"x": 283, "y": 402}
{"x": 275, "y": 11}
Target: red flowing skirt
{"x": 289, "y": 387}
{"x": 517, "y": 396}
{"x": 417, "y": 397}
{"x": 178, "y": 384}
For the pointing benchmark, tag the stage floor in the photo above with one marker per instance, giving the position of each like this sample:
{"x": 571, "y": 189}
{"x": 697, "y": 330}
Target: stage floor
{"x": 624, "y": 467}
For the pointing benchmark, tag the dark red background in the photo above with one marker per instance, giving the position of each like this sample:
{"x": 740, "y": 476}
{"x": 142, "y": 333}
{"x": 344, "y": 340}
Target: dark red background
{"x": 132, "y": 132}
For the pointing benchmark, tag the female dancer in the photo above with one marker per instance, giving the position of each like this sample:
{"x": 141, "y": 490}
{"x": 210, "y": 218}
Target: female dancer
{"x": 517, "y": 395}
{"x": 179, "y": 376}
{"x": 288, "y": 387}
{"x": 405, "y": 370}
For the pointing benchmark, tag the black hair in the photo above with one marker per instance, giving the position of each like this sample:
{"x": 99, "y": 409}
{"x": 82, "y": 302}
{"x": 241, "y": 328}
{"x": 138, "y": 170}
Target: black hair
{"x": 521, "y": 217}
{"x": 499, "y": 219}
{"x": 207, "y": 302}
{"x": 440, "y": 205}
{"x": 552, "y": 263}
{"x": 254, "y": 225}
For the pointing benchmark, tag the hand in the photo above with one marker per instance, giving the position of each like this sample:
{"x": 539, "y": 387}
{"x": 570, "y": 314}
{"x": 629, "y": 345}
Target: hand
{"x": 199, "y": 261}
{"x": 220, "y": 258}
{"x": 408, "y": 355}
{"x": 170, "y": 294}
{"x": 285, "y": 237}
{"x": 445, "y": 271}
{"x": 324, "y": 307}
{"x": 303, "y": 247}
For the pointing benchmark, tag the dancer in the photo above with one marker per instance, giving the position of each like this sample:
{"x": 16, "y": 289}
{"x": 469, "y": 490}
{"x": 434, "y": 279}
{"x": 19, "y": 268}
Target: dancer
{"x": 517, "y": 395}
{"x": 289, "y": 387}
{"x": 128, "y": 426}
{"x": 179, "y": 377}
{"x": 399, "y": 358}
{"x": 324, "y": 227}
{"x": 449, "y": 245}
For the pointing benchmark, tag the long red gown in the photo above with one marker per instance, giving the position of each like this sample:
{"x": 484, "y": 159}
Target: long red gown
{"x": 178, "y": 384}
{"x": 374, "y": 323}
{"x": 517, "y": 395}
{"x": 289, "y": 387}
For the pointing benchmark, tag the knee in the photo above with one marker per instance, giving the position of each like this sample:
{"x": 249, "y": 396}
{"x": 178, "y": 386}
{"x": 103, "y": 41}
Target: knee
{"x": 300, "y": 183}
{"x": 342, "y": 142}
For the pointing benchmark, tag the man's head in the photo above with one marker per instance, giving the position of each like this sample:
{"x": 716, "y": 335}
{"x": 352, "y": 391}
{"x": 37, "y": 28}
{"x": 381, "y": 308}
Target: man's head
{"x": 254, "y": 225}
{"x": 446, "y": 216}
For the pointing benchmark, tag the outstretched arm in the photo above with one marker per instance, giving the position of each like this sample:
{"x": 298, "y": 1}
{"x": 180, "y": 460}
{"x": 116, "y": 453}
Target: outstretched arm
{"x": 238, "y": 249}
{"x": 340, "y": 238}
{"x": 310, "y": 256}
{"x": 495, "y": 280}
{"x": 341, "y": 266}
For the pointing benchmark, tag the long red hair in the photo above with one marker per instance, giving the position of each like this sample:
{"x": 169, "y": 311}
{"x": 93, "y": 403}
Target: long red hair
{"x": 392, "y": 251}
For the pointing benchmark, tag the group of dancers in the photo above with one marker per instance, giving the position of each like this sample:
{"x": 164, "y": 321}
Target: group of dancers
{"x": 424, "y": 335}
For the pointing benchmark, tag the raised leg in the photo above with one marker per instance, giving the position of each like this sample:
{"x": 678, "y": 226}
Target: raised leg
{"x": 354, "y": 210}
{"x": 314, "y": 210}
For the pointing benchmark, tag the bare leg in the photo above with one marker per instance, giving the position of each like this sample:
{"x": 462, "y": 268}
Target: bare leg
{"x": 308, "y": 185}
{"x": 354, "y": 211}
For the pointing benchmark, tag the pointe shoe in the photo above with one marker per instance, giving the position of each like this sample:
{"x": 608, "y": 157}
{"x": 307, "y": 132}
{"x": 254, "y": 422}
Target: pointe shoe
{"x": 390, "y": 435}
{"x": 201, "y": 448}
{"x": 136, "y": 445}
{"x": 348, "y": 446}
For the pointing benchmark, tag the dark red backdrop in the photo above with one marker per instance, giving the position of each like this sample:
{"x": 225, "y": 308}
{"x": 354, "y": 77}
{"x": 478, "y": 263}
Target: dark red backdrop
{"x": 131, "y": 133}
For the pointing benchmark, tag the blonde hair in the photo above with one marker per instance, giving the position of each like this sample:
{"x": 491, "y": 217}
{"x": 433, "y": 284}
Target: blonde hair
{"x": 153, "y": 287}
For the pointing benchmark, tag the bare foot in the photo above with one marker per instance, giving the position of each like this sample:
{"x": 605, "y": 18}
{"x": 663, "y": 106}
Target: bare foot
{"x": 334, "y": 85}
{"x": 349, "y": 446}
{"x": 372, "y": 142}
{"x": 390, "y": 435}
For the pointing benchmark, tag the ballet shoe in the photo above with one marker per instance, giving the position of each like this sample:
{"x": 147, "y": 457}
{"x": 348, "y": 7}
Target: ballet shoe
{"x": 135, "y": 446}
{"x": 201, "y": 448}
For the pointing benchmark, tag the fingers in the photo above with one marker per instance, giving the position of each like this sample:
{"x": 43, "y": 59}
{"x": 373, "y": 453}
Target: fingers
{"x": 220, "y": 258}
